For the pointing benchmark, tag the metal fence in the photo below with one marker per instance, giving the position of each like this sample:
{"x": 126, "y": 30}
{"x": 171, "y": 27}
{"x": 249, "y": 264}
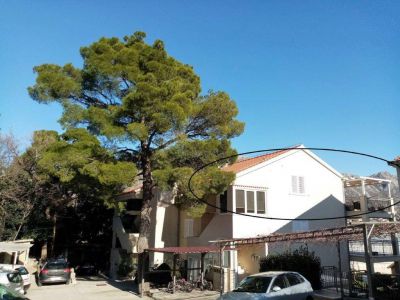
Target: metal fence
{"x": 355, "y": 284}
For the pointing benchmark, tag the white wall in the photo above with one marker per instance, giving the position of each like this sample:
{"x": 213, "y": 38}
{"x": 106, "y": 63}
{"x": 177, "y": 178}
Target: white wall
{"x": 320, "y": 184}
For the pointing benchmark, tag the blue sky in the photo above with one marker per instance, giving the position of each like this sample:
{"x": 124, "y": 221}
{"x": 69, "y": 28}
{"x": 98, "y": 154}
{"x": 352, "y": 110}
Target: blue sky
{"x": 321, "y": 73}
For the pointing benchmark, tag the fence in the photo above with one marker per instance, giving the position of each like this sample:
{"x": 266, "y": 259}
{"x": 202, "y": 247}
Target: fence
{"x": 355, "y": 284}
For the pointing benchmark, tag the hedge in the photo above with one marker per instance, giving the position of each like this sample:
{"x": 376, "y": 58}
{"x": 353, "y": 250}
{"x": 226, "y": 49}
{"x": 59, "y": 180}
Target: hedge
{"x": 300, "y": 260}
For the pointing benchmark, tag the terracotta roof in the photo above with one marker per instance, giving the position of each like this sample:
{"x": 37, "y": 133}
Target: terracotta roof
{"x": 181, "y": 250}
{"x": 243, "y": 164}
{"x": 135, "y": 188}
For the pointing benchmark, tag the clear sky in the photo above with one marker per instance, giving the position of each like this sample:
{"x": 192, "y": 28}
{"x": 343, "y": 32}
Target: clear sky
{"x": 320, "y": 73}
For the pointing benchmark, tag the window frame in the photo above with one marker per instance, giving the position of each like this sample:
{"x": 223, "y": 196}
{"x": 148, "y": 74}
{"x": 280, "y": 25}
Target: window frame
{"x": 264, "y": 202}
{"x": 295, "y": 276}
{"x": 248, "y": 202}
{"x": 244, "y": 201}
{"x": 255, "y": 192}
{"x": 286, "y": 281}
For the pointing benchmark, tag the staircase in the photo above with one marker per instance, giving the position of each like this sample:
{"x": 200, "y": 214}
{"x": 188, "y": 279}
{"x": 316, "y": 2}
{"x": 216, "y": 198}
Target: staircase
{"x": 128, "y": 240}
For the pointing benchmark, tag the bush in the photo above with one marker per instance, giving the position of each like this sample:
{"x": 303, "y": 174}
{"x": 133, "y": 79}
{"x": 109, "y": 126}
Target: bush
{"x": 126, "y": 267}
{"x": 300, "y": 260}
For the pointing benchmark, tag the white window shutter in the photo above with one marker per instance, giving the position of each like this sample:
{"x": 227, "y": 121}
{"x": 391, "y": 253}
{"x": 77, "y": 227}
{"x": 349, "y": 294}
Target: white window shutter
{"x": 301, "y": 185}
{"x": 294, "y": 184}
{"x": 298, "y": 185}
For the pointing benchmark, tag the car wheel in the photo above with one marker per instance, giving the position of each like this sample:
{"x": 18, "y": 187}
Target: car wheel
{"x": 39, "y": 283}
{"x": 68, "y": 281}
{"x": 309, "y": 298}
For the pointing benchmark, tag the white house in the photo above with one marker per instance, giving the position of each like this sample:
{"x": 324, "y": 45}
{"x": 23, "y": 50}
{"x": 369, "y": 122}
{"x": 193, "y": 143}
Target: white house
{"x": 288, "y": 184}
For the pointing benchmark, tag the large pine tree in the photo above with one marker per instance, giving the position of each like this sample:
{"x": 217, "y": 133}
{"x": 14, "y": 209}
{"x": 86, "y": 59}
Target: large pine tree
{"x": 148, "y": 108}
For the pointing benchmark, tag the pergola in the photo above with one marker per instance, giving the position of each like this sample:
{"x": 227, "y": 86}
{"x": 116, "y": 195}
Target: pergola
{"x": 362, "y": 231}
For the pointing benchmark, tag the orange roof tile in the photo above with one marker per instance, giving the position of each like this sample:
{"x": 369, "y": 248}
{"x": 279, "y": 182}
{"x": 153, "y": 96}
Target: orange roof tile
{"x": 243, "y": 164}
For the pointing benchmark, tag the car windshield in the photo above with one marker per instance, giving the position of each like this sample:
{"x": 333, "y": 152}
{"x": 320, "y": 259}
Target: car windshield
{"x": 254, "y": 284}
{"x": 56, "y": 266}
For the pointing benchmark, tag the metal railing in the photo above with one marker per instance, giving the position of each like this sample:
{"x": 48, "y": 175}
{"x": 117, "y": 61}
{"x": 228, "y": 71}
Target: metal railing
{"x": 379, "y": 247}
{"x": 355, "y": 284}
{"x": 373, "y": 203}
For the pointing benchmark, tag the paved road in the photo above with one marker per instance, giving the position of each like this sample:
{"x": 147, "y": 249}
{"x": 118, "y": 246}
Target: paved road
{"x": 93, "y": 289}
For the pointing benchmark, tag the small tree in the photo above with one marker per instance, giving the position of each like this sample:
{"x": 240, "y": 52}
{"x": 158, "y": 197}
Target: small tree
{"x": 300, "y": 260}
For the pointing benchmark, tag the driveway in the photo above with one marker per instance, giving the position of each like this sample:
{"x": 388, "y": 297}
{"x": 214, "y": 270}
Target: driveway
{"x": 93, "y": 288}
{"x": 97, "y": 288}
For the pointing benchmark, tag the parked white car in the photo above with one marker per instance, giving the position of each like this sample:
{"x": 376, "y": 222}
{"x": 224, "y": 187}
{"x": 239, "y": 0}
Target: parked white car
{"x": 26, "y": 277}
{"x": 12, "y": 280}
{"x": 280, "y": 285}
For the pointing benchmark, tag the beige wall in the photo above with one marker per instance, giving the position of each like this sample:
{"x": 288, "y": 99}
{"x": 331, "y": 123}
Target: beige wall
{"x": 248, "y": 258}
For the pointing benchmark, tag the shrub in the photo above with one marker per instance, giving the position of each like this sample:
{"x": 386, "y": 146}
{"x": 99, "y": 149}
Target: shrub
{"x": 300, "y": 260}
{"x": 125, "y": 267}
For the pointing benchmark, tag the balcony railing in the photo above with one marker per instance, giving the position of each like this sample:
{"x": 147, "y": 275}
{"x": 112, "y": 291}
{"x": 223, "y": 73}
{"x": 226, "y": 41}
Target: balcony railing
{"x": 379, "y": 247}
{"x": 353, "y": 203}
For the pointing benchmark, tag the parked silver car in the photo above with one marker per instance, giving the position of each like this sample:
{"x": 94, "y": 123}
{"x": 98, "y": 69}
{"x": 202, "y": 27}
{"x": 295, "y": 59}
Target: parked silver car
{"x": 280, "y": 285}
{"x": 55, "y": 271}
{"x": 12, "y": 280}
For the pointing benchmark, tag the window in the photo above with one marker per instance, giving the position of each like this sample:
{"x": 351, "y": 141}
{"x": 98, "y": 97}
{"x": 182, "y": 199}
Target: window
{"x": 14, "y": 277}
{"x": 294, "y": 279}
{"x": 298, "y": 185}
{"x": 280, "y": 282}
{"x": 254, "y": 284}
{"x": 188, "y": 228}
{"x": 250, "y": 201}
{"x": 240, "y": 201}
{"x": 223, "y": 202}
{"x": 261, "y": 202}
{"x": 300, "y": 226}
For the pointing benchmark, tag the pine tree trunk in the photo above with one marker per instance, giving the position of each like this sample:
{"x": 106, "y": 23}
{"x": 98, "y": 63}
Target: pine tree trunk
{"x": 53, "y": 237}
{"x": 145, "y": 214}
{"x": 145, "y": 217}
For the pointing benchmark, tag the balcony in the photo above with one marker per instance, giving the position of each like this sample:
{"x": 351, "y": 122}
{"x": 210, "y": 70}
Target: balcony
{"x": 376, "y": 206}
{"x": 368, "y": 196}
{"x": 381, "y": 251}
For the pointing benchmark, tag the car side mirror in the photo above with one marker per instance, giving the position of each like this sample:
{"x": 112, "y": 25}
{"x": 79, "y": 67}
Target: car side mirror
{"x": 276, "y": 288}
